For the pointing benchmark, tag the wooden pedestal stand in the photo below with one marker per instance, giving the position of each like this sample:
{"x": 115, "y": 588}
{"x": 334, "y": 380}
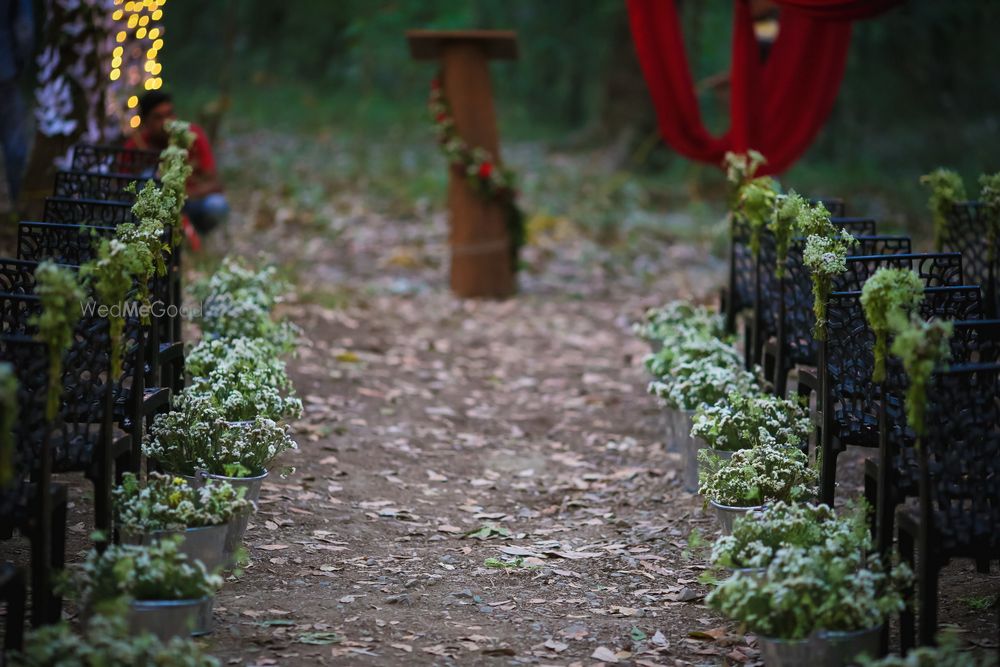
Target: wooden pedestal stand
{"x": 480, "y": 244}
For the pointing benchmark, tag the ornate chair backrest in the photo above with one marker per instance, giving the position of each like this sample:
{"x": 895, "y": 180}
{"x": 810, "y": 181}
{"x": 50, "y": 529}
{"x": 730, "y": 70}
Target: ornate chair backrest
{"x": 967, "y": 232}
{"x": 94, "y": 185}
{"x": 960, "y": 457}
{"x": 76, "y": 211}
{"x": 113, "y": 159}
{"x": 935, "y": 269}
{"x": 62, "y": 243}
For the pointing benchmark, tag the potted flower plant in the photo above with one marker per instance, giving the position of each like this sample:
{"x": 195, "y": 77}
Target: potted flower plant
{"x": 106, "y": 640}
{"x": 755, "y": 541}
{"x": 742, "y": 420}
{"x": 814, "y": 605}
{"x": 238, "y": 302}
{"x": 743, "y": 483}
{"x": 169, "y": 506}
{"x": 675, "y": 320}
{"x": 166, "y": 594}
{"x": 244, "y": 377}
{"x": 196, "y": 442}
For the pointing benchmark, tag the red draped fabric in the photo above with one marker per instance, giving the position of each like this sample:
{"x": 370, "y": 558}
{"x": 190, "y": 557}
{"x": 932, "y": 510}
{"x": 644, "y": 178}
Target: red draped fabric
{"x": 777, "y": 106}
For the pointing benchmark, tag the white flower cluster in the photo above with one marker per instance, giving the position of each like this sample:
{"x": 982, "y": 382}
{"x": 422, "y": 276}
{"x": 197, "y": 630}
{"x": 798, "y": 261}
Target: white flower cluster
{"x": 238, "y": 302}
{"x": 166, "y": 502}
{"x": 660, "y": 324}
{"x": 763, "y": 474}
{"x": 743, "y": 419}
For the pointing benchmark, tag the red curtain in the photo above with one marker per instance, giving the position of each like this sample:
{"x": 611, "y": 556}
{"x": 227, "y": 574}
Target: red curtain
{"x": 777, "y": 106}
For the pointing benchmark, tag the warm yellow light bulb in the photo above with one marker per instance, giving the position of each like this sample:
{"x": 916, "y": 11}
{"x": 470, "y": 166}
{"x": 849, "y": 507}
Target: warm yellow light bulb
{"x": 158, "y": 44}
{"x": 116, "y": 62}
{"x": 117, "y": 53}
{"x": 118, "y": 15}
{"x": 157, "y": 14}
{"x": 143, "y": 20}
{"x": 156, "y": 68}
{"x": 154, "y": 33}
{"x": 115, "y": 74}
{"x": 157, "y": 83}
{"x": 148, "y": 84}
{"x": 133, "y": 102}
{"x": 140, "y": 33}
{"x": 149, "y": 65}
{"x": 133, "y": 20}
{"x": 134, "y": 121}
{"x": 120, "y": 37}
{"x": 151, "y": 54}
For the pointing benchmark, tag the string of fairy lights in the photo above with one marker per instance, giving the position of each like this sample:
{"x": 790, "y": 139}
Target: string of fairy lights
{"x": 138, "y": 37}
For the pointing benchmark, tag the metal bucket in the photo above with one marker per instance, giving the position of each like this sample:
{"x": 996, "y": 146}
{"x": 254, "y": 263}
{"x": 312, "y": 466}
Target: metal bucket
{"x": 689, "y": 447}
{"x": 237, "y": 524}
{"x": 786, "y": 652}
{"x": 171, "y": 618}
{"x": 206, "y": 543}
{"x": 727, "y": 514}
{"x": 840, "y": 649}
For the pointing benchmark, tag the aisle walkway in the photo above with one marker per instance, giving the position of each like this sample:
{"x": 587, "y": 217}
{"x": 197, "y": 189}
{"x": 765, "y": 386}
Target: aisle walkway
{"x": 483, "y": 481}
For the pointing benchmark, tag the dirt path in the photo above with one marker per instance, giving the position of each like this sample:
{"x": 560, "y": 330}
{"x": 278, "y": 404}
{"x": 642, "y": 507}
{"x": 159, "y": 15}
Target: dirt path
{"x": 478, "y": 481}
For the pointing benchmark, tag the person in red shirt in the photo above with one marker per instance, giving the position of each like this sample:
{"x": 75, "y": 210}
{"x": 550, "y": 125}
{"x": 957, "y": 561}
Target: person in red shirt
{"x": 206, "y": 206}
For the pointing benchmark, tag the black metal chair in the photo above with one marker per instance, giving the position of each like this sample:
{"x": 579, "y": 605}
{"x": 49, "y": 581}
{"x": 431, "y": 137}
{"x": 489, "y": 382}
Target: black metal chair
{"x": 848, "y": 404}
{"x": 116, "y": 160}
{"x": 968, "y": 232}
{"x": 90, "y": 444}
{"x": 935, "y": 269}
{"x": 959, "y": 462}
{"x": 94, "y": 185}
{"x": 73, "y": 244}
{"x": 894, "y": 476}
{"x": 77, "y": 211}
{"x": 32, "y": 504}
{"x": 13, "y": 594}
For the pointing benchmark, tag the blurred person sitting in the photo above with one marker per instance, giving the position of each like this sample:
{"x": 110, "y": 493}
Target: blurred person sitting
{"x": 17, "y": 31}
{"x": 206, "y": 206}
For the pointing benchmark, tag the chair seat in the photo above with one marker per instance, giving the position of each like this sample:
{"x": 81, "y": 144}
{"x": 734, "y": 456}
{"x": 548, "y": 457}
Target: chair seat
{"x": 78, "y": 454}
{"x": 171, "y": 352}
{"x": 956, "y": 535}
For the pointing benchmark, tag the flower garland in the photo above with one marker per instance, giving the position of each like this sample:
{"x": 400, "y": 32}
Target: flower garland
{"x": 61, "y": 295}
{"x": 922, "y": 347}
{"x": 889, "y": 298}
{"x": 489, "y": 179}
{"x": 946, "y": 189}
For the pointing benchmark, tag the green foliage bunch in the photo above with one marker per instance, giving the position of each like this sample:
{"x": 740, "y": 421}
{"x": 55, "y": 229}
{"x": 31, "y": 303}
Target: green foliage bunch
{"x": 159, "y": 571}
{"x": 784, "y": 224}
{"x": 806, "y": 590}
{"x": 947, "y": 653}
{"x": 62, "y": 297}
{"x": 195, "y": 436}
{"x": 922, "y": 347}
{"x": 175, "y": 170}
{"x": 8, "y": 417}
{"x": 740, "y": 168}
{"x": 947, "y": 189}
{"x": 745, "y": 419}
{"x": 751, "y": 477}
{"x": 889, "y": 298}
{"x": 154, "y": 209}
{"x": 114, "y": 271}
{"x": 757, "y": 538}
{"x": 166, "y": 502}
{"x": 755, "y": 206}
{"x": 989, "y": 195}
{"x": 825, "y": 255}
{"x": 106, "y": 641}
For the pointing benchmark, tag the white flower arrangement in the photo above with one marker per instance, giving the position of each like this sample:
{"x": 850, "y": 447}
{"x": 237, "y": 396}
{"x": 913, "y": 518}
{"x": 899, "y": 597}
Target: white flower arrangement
{"x": 195, "y": 436}
{"x": 695, "y": 383}
{"x": 745, "y": 419}
{"x": 756, "y": 539}
{"x": 678, "y": 319}
{"x": 687, "y": 347}
{"x": 238, "y": 302}
{"x": 166, "y": 502}
{"x": 806, "y": 590}
{"x": 244, "y": 377}
{"x": 752, "y": 477}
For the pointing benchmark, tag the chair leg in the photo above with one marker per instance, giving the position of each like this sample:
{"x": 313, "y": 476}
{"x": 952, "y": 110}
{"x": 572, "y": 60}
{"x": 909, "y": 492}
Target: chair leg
{"x": 871, "y": 499}
{"x": 827, "y": 471}
{"x": 101, "y": 480}
{"x": 928, "y": 592}
{"x": 907, "y": 630}
{"x": 14, "y": 625}
{"x": 41, "y": 574}
{"x": 57, "y": 556}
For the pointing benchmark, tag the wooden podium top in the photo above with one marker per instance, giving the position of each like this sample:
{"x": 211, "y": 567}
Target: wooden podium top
{"x": 430, "y": 44}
